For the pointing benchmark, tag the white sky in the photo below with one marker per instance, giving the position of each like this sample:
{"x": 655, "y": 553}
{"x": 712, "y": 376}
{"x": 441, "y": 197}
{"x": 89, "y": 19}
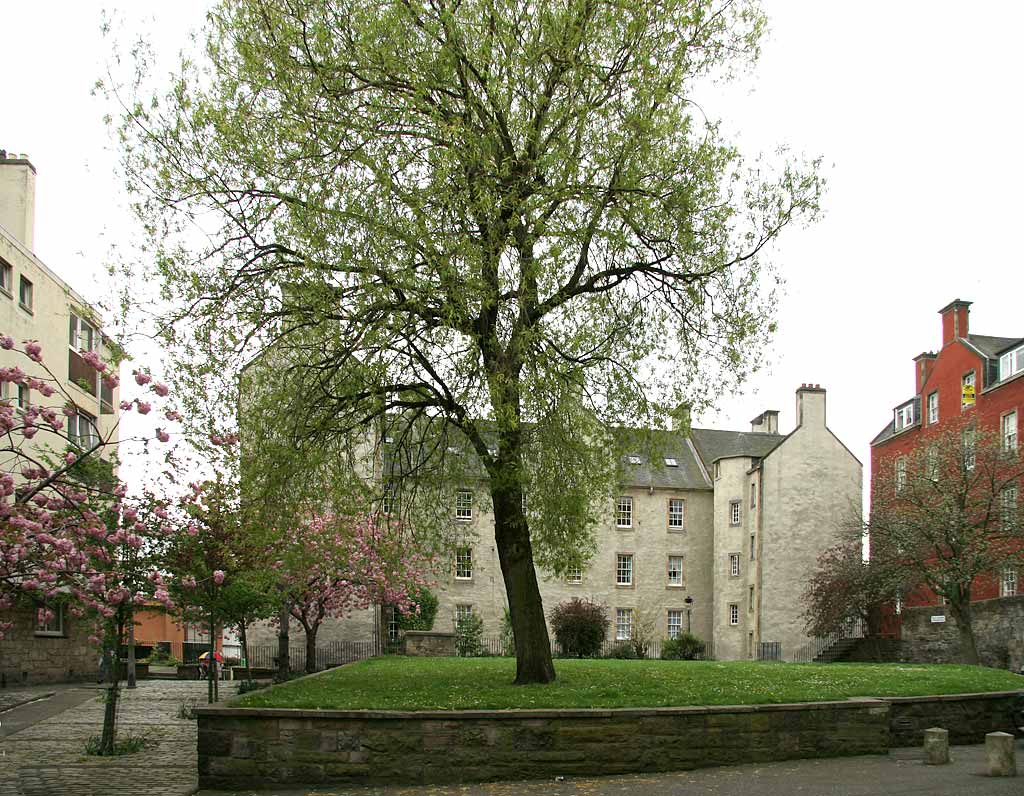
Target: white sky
{"x": 915, "y": 106}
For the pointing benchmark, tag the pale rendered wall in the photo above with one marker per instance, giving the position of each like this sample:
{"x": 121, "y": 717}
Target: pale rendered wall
{"x": 731, "y": 641}
{"x": 811, "y": 485}
{"x": 18, "y": 199}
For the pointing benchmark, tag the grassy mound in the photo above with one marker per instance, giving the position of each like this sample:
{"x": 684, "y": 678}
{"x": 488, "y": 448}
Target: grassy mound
{"x": 399, "y": 683}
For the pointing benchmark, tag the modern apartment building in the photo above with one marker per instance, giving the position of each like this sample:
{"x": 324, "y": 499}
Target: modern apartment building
{"x": 975, "y": 381}
{"x": 36, "y": 304}
{"x": 717, "y": 538}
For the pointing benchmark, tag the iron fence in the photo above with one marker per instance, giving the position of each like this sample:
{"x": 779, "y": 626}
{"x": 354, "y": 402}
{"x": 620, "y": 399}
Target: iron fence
{"x": 328, "y": 654}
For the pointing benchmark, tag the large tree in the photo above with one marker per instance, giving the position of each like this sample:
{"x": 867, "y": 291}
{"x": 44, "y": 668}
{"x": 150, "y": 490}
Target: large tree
{"x": 947, "y": 514}
{"x": 503, "y": 226}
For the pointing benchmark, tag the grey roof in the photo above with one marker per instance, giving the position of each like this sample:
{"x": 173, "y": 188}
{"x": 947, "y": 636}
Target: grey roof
{"x": 992, "y": 347}
{"x": 652, "y": 448}
{"x": 712, "y": 444}
{"x": 885, "y": 433}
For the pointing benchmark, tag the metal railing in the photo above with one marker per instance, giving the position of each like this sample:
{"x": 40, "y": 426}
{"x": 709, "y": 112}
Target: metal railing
{"x": 328, "y": 654}
{"x": 819, "y": 647}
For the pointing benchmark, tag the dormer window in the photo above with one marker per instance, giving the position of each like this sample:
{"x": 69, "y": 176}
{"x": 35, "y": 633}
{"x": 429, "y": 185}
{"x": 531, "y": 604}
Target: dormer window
{"x": 634, "y": 460}
{"x": 1011, "y": 363}
{"x": 670, "y": 462}
{"x": 904, "y": 416}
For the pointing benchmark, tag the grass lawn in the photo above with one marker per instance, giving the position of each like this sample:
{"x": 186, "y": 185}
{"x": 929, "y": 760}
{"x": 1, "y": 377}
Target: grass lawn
{"x": 400, "y": 683}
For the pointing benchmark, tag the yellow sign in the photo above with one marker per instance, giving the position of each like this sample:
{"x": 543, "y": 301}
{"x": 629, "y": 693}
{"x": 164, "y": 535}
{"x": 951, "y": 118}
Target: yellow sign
{"x": 968, "y": 395}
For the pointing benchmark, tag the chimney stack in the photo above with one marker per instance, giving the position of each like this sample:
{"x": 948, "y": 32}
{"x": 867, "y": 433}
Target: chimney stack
{"x": 954, "y": 320}
{"x": 810, "y": 405}
{"x": 18, "y": 197}
{"x": 923, "y": 364}
{"x": 766, "y": 423}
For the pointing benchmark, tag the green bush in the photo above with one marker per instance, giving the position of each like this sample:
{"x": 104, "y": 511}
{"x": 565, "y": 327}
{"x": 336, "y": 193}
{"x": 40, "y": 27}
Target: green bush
{"x": 469, "y": 634}
{"x": 424, "y": 620}
{"x": 684, "y": 647}
{"x": 508, "y": 638}
{"x": 623, "y": 650}
{"x": 580, "y": 627}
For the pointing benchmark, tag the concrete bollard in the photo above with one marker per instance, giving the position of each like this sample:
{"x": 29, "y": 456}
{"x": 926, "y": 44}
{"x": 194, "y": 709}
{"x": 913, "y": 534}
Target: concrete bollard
{"x": 999, "y": 753}
{"x": 936, "y": 746}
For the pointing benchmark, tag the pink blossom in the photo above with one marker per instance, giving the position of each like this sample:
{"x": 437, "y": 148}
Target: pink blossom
{"x": 70, "y": 458}
{"x": 142, "y": 379}
{"x": 218, "y": 576}
{"x": 144, "y": 407}
{"x": 6, "y": 342}
{"x": 162, "y": 435}
{"x": 92, "y": 359}
{"x": 161, "y": 389}
{"x": 170, "y": 414}
{"x": 126, "y": 405}
{"x": 33, "y": 351}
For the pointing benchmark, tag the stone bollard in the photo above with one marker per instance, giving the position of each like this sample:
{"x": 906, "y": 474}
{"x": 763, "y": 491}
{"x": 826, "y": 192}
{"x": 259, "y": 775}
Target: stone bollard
{"x": 999, "y": 752}
{"x": 936, "y": 746}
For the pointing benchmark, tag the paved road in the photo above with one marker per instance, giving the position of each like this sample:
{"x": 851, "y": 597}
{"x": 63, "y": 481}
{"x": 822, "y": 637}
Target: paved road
{"x": 899, "y": 774}
{"x": 44, "y": 754}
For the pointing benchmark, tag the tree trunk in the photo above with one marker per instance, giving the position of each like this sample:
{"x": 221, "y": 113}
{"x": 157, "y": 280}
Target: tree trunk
{"x": 245, "y": 652}
{"x": 109, "y": 734}
{"x": 526, "y": 609}
{"x": 283, "y": 663}
{"x": 131, "y": 648}
{"x": 311, "y": 648}
{"x": 211, "y": 668}
{"x": 965, "y": 629}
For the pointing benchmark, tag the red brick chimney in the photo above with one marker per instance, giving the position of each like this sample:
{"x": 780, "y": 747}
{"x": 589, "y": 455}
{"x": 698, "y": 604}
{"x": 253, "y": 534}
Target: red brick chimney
{"x": 954, "y": 320}
{"x": 923, "y": 364}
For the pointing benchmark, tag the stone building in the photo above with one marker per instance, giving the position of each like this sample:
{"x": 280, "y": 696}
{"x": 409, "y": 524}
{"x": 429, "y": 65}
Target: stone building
{"x": 36, "y": 304}
{"x": 718, "y": 538}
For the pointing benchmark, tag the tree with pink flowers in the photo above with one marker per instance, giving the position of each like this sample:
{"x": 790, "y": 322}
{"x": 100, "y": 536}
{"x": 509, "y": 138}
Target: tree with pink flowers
{"x": 335, "y": 564}
{"x": 68, "y": 533}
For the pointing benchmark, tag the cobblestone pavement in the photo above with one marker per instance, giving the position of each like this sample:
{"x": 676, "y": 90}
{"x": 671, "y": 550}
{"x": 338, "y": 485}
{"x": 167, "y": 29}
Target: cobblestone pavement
{"x": 48, "y": 758}
{"x": 13, "y": 698}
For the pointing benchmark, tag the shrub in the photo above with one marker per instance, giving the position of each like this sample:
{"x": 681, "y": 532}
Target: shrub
{"x": 684, "y": 647}
{"x": 469, "y": 636}
{"x": 424, "y": 620}
{"x": 580, "y": 627}
{"x": 508, "y": 639}
{"x": 624, "y": 650}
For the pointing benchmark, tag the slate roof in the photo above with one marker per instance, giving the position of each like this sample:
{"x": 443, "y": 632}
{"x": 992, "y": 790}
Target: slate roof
{"x": 713, "y": 444}
{"x": 992, "y": 347}
{"x": 885, "y": 433}
{"x": 652, "y": 448}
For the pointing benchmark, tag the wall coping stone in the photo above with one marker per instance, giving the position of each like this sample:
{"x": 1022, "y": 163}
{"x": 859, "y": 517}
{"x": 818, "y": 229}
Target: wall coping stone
{"x": 955, "y": 697}
{"x": 221, "y": 709}
{"x": 422, "y": 633}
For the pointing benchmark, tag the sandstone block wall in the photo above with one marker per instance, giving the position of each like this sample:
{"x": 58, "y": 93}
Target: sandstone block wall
{"x": 998, "y": 627}
{"x": 239, "y": 748}
{"x": 967, "y": 717}
{"x": 26, "y": 658}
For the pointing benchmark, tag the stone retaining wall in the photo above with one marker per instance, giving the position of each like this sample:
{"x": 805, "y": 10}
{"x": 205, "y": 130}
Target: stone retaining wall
{"x": 428, "y": 643}
{"x": 996, "y": 622}
{"x": 239, "y": 747}
{"x": 27, "y": 658}
{"x": 968, "y": 717}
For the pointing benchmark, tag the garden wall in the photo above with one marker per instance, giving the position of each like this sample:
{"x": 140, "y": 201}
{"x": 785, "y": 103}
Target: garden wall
{"x": 242, "y": 746}
{"x": 997, "y": 624}
{"x": 968, "y": 717}
{"x": 27, "y": 658}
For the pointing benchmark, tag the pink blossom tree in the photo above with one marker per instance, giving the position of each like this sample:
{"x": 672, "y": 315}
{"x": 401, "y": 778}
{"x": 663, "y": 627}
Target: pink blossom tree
{"x": 336, "y": 564}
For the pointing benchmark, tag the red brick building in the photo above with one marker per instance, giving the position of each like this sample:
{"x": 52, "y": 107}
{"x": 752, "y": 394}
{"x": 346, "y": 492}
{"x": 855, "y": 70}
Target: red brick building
{"x": 972, "y": 376}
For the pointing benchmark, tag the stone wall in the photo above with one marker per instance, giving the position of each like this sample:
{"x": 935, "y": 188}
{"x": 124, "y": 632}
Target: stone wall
{"x": 968, "y": 717}
{"x": 26, "y": 658}
{"x": 997, "y": 623}
{"x": 239, "y": 747}
{"x": 424, "y": 643}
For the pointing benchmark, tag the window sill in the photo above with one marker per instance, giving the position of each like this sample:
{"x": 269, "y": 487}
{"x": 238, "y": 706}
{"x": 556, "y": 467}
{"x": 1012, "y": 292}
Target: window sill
{"x": 623, "y": 527}
{"x": 463, "y": 580}
{"x": 624, "y": 586}
{"x": 26, "y": 308}
{"x": 676, "y": 530}
{"x": 6, "y": 292}
{"x": 674, "y": 586}
{"x": 463, "y": 519}
{"x": 49, "y": 634}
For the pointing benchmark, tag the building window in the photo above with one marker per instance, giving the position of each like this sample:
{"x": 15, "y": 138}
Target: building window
{"x": 462, "y": 613}
{"x": 967, "y": 391}
{"x": 6, "y": 277}
{"x": 393, "y": 628}
{"x": 931, "y": 463}
{"x": 25, "y": 293}
{"x": 676, "y": 513}
{"x": 389, "y": 500}
{"x": 734, "y": 565}
{"x": 671, "y": 461}
{"x": 623, "y": 624}
{"x": 901, "y": 473}
{"x": 82, "y": 335}
{"x": 624, "y": 512}
{"x": 464, "y": 563}
{"x": 574, "y": 575}
{"x": 933, "y": 407}
{"x": 24, "y": 396}
{"x": 675, "y": 623}
{"x": 675, "y": 570}
{"x": 523, "y": 502}
{"x": 904, "y": 416}
{"x": 1008, "y": 582}
{"x": 734, "y": 613}
{"x": 750, "y": 598}
{"x": 734, "y": 512}
{"x": 1011, "y": 363}
{"x": 82, "y": 430}
{"x": 50, "y": 621}
{"x": 968, "y": 448}
{"x": 624, "y": 569}
{"x": 753, "y": 547}
{"x": 753, "y": 495}
{"x": 464, "y": 505}
{"x": 1009, "y": 431}
{"x": 1008, "y": 501}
